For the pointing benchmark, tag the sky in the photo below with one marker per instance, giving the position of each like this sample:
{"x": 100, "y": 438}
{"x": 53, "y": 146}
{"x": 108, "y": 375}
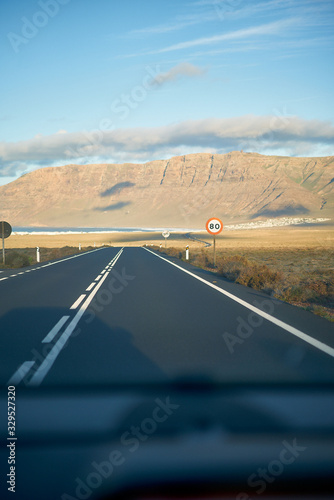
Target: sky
{"x": 104, "y": 81}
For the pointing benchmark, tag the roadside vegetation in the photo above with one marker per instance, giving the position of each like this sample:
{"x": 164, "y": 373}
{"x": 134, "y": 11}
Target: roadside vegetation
{"x": 302, "y": 277}
{"x": 23, "y": 257}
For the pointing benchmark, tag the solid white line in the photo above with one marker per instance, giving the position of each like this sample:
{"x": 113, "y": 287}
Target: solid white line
{"x": 52, "y": 333}
{"x": 90, "y": 286}
{"x": 46, "y": 365}
{"x": 21, "y": 373}
{"x": 78, "y": 301}
{"x": 291, "y": 329}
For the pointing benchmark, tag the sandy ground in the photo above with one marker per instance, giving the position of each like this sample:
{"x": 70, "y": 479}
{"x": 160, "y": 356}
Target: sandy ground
{"x": 288, "y": 236}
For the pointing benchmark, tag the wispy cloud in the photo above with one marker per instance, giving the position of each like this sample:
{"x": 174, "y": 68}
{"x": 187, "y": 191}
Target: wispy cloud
{"x": 162, "y": 28}
{"x": 184, "y": 69}
{"x": 273, "y": 28}
{"x": 284, "y": 135}
{"x": 179, "y": 23}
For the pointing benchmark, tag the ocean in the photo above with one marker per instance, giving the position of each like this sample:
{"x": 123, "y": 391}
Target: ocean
{"x": 84, "y": 230}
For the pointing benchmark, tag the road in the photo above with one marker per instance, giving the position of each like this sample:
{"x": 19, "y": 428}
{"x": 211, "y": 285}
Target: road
{"x": 123, "y": 315}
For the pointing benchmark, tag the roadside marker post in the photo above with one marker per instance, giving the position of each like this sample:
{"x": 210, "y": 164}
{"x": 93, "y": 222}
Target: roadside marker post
{"x": 6, "y": 231}
{"x": 3, "y": 245}
{"x": 38, "y": 256}
{"x": 214, "y": 226}
{"x": 187, "y": 252}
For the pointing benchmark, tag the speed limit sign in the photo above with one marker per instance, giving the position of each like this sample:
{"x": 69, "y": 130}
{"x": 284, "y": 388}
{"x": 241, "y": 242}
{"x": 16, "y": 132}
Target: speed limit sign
{"x": 214, "y": 226}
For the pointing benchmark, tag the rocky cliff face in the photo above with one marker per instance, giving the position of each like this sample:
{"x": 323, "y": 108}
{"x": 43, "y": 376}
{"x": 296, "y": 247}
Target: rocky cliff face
{"x": 181, "y": 192}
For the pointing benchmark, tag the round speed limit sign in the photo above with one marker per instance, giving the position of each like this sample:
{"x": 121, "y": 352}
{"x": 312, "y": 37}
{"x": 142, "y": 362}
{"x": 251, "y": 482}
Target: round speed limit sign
{"x": 214, "y": 226}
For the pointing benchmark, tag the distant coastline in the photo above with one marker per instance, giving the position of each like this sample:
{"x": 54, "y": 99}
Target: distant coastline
{"x": 268, "y": 223}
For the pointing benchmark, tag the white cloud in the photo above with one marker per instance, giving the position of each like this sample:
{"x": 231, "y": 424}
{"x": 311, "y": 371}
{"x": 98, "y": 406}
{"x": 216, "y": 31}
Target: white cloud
{"x": 182, "y": 69}
{"x": 288, "y": 135}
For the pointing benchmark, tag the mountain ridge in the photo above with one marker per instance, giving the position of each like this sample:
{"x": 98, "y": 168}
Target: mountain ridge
{"x": 183, "y": 191}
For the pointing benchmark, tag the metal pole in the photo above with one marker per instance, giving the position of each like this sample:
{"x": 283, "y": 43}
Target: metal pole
{"x": 214, "y": 251}
{"x": 3, "y": 243}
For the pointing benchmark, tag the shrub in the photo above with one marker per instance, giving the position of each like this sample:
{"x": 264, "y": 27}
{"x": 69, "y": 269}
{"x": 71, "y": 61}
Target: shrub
{"x": 237, "y": 268}
{"x": 15, "y": 259}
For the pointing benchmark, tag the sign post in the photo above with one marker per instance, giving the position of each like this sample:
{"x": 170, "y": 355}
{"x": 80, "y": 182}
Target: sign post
{"x": 5, "y": 232}
{"x": 214, "y": 226}
{"x": 166, "y": 235}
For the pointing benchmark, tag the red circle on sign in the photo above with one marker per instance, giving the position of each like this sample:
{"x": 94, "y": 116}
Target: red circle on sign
{"x": 214, "y": 226}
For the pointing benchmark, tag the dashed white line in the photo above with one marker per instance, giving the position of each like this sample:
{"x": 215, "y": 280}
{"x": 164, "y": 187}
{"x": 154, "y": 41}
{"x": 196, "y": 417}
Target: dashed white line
{"x": 78, "y": 301}
{"x": 52, "y": 333}
{"x": 53, "y": 354}
{"x": 98, "y": 277}
{"x": 47, "y": 363}
{"x": 90, "y": 286}
{"x": 53, "y": 263}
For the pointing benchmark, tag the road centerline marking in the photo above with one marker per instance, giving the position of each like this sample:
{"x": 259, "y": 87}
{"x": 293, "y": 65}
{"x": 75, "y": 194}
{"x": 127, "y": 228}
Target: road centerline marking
{"x": 51, "y": 357}
{"x": 88, "y": 289}
{"x": 53, "y": 332}
{"x": 285, "y": 326}
{"x": 78, "y": 301}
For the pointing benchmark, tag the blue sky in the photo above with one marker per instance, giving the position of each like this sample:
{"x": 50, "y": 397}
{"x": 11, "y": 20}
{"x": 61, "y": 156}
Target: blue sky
{"x": 88, "y": 81}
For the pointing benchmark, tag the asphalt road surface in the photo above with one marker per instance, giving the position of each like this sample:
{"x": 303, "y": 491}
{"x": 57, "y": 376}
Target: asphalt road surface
{"x": 129, "y": 315}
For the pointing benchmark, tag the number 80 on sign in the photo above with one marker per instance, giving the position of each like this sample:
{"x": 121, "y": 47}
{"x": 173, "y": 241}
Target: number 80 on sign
{"x": 214, "y": 226}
